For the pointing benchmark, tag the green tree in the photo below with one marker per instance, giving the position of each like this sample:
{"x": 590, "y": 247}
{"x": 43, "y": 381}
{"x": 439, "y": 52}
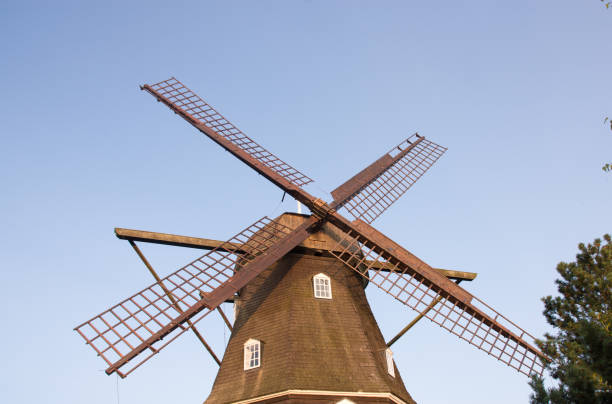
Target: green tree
{"x": 580, "y": 351}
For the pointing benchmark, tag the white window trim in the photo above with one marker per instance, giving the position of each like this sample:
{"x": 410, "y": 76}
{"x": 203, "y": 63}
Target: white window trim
{"x": 252, "y": 355}
{"x": 322, "y": 277}
{"x": 390, "y": 366}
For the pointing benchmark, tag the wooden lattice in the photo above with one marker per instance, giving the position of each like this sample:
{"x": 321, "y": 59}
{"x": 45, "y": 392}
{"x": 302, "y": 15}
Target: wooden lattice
{"x": 457, "y": 311}
{"x": 124, "y": 328}
{"x": 186, "y": 101}
{"x": 387, "y": 188}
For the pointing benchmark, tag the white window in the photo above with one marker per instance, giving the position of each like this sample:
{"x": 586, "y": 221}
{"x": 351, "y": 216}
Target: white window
{"x": 390, "y": 367}
{"x": 322, "y": 286}
{"x": 252, "y": 354}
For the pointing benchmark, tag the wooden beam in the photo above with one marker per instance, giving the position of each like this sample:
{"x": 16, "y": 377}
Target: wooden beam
{"x": 208, "y": 244}
{"x": 169, "y": 239}
{"x": 416, "y": 319}
{"x": 366, "y": 176}
{"x": 227, "y": 322}
{"x": 451, "y": 274}
{"x": 173, "y": 300}
{"x": 458, "y": 275}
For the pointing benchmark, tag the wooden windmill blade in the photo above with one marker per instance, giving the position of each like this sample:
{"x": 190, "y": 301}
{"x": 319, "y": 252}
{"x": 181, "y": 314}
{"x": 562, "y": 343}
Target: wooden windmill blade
{"x": 370, "y": 192}
{"x": 414, "y": 283}
{"x": 366, "y": 196}
{"x": 131, "y": 332}
{"x": 138, "y": 324}
{"x": 207, "y": 120}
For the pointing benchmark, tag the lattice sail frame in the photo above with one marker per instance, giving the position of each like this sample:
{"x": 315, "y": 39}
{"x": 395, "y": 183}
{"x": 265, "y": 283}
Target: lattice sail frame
{"x": 177, "y": 94}
{"x": 115, "y": 331}
{"x": 118, "y": 330}
{"x": 416, "y": 292}
{"x": 373, "y": 200}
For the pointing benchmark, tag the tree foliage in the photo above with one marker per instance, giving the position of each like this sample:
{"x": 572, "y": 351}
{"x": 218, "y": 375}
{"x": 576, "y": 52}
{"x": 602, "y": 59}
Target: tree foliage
{"x": 580, "y": 351}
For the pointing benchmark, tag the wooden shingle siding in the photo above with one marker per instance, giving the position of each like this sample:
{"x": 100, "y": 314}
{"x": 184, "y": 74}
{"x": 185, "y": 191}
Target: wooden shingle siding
{"x": 306, "y": 343}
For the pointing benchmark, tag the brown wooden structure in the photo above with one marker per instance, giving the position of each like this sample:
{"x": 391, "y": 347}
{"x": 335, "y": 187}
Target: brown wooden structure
{"x": 303, "y": 331}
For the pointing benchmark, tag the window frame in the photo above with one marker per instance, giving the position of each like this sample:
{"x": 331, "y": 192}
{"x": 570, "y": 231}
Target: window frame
{"x": 248, "y": 354}
{"x": 322, "y": 277}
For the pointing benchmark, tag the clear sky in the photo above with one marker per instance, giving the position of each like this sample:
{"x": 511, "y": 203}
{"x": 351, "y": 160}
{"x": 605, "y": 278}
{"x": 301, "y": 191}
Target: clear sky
{"x": 518, "y": 92}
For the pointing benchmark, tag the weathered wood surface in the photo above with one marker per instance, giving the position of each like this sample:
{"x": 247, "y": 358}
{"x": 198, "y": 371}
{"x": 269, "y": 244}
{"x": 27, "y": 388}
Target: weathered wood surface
{"x": 317, "y": 241}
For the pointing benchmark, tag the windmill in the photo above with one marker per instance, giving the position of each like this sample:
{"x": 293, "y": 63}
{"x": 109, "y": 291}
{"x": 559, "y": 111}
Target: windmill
{"x": 303, "y": 329}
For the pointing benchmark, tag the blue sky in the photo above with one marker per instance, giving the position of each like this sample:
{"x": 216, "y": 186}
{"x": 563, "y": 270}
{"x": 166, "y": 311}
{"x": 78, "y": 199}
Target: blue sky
{"x": 517, "y": 91}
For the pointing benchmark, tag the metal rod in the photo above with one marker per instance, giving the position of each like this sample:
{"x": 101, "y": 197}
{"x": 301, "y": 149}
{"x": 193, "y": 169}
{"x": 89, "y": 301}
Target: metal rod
{"x": 229, "y": 325}
{"x": 416, "y": 319}
{"x": 173, "y": 300}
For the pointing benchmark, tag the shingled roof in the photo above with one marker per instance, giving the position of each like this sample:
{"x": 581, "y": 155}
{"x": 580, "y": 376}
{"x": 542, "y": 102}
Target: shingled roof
{"x": 312, "y": 350}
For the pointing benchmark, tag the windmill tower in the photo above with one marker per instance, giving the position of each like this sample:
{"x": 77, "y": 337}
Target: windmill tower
{"x": 317, "y": 337}
{"x": 304, "y": 331}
